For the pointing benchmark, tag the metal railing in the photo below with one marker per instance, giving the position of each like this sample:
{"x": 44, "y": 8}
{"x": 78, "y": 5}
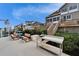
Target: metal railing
{"x": 3, "y": 34}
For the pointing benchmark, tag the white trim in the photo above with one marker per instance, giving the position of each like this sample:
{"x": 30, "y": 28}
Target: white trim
{"x": 64, "y": 13}
{"x": 49, "y": 18}
{"x": 78, "y": 6}
{"x": 56, "y": 17}
{"x": 55, "y": 22}
{"x": 66, "y": 16}
{"x": 74, "y": 10}
{"x": 70, "y": 11}
{"x": 70, "y": 16}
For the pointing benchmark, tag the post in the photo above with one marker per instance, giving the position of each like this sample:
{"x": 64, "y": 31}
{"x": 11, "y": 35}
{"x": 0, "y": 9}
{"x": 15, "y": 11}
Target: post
{"x": 7, "y": 26}
{"x": 60, "y": 49}
{"x": 1, "y": 32}
{"x": 37, "y": 40}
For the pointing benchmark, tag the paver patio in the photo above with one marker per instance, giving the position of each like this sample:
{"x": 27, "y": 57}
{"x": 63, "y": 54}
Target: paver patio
{"x": 9, "y": 47}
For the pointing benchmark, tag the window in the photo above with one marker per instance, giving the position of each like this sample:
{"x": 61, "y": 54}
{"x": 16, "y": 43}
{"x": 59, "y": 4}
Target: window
{"x": 54, "y": 19}
{"x": 64, "y": 10}
{"x": 50, "y": 20}
{"x": 68, "y": 16}
{"x": 64, "y": 17}
{"x": 73, "y": 7}
{"x": 47, "y": 20}
{"x": 58, "y": 18}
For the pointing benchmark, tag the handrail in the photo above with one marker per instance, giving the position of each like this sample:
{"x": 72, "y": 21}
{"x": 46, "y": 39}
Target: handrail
{"x": 53, "y": 27}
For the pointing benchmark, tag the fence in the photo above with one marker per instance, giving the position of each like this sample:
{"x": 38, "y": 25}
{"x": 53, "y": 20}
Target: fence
{"x": 3, "y": 33}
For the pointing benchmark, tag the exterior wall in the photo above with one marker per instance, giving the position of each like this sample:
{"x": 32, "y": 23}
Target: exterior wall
{"x": 75, "y": 16}
{"x": 51, "y": 19}
{"x": 73, "y": 5}
{"x": 73, "y": 12}
{"x": 64, "y": 10}
{"x": 69, "y": 8}
{"x": 78, "y": 6}
{"x": 69, "y": 29}
{"x": 62, "y": 17}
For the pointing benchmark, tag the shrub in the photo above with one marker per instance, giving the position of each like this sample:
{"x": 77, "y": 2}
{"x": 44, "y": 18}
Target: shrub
{"x": 29, "y": 31}
{"x": 71, "y": 42}
{"x": 39, "y": 32}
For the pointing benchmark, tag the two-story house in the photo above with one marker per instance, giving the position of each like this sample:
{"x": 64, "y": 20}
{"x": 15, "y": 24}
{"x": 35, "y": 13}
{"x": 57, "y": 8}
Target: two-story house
{"x": 69, "y": 16}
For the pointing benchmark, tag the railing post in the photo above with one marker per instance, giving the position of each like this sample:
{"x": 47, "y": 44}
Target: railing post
{"x": 60, "y": 50}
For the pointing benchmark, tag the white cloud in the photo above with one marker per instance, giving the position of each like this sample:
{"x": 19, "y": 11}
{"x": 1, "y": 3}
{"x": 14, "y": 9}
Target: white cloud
{"x": 50, "y": 8}
{"x": 34, "y": 11}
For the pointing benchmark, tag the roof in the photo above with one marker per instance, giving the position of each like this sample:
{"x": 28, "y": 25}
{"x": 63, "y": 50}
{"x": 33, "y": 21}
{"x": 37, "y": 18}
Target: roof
{"x": 63, "y": 6}
{"x": 57, "y": 12}
{"x": 38, "y": 23}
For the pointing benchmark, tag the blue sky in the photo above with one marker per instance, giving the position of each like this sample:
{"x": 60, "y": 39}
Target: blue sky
{"x": 17, "y": 13}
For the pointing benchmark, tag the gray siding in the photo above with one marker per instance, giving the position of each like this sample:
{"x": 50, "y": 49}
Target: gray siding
{"x": 75, "y": 15}
{"x": 69, "y": 29}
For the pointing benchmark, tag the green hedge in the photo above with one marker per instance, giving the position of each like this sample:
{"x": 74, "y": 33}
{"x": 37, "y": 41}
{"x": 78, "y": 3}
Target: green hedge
{"x": 39, "y": 32}
{"x": 71, "y": 43}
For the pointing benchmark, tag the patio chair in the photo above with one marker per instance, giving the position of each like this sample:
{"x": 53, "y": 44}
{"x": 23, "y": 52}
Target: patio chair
{"x": 14, "y": 36}
{"x": 26, "y": 37}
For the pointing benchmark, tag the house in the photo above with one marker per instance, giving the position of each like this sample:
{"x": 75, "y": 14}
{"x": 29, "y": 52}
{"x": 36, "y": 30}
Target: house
{"x": 32, "y": 25}
{"x": 29, "y": 25}
{"x": 68, "y": 14}
{"x": 37, "y": 25}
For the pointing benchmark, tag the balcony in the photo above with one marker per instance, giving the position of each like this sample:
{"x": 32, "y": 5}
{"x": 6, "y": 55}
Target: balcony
{"x": 64, "y": 13}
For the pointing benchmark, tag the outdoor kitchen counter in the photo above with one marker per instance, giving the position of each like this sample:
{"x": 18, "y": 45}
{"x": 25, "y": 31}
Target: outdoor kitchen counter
{"x": 56, "y": 39}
